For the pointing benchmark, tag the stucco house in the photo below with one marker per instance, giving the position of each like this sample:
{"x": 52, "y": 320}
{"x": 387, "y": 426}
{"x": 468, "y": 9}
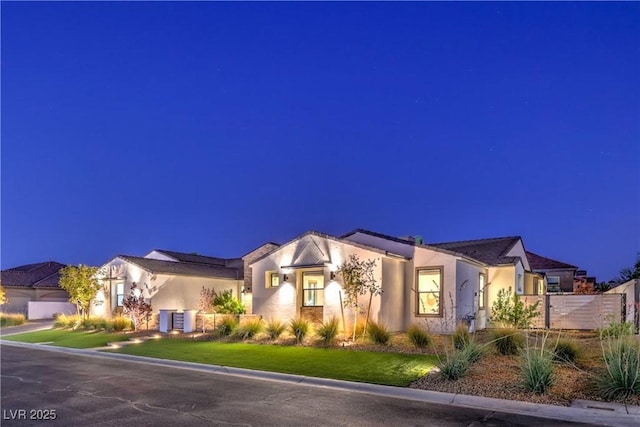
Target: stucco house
{"x": 559, "y": 275}
{"x": 32, "y": 282}
{"x": 440, "y": 284}
{"x": 167, "y": 279}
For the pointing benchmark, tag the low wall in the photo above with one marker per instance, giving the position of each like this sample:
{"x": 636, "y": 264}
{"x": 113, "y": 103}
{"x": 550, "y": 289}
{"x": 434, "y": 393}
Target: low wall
{"x": 46, "y": 309}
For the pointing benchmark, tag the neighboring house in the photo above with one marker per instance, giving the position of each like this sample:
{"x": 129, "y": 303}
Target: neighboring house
{"x": 167, "y": 279}
{"x": 32, "y": 282}
{"x": 559, "y": 275}
{"x": 437, "y": 284}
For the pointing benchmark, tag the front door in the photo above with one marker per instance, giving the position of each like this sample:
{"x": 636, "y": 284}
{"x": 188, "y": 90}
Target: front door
{"x": 312, "y": 296}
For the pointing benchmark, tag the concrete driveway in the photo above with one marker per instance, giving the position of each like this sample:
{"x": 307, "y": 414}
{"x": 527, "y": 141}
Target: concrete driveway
{"x": 30, "y": 326}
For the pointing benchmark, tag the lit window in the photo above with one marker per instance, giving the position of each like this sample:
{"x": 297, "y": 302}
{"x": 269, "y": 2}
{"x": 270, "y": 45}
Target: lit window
{"x": 482, "y": 285}
{"x": 119, "y": 294}
{"x": 313, "y": 289}
{"x": 429, "y": 295}
{"x": 274, "y": 280}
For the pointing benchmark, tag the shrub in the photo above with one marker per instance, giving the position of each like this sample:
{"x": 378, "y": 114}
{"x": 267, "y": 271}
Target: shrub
{"x": 454, "y": 365}
{"x": 566, "y": 351}
{"x": 225, "y": 303}
{"x": 249, "y": 329}
{"x": 537, "y": 370}
{"x": 67, "y": 321}
{"x": 473, "y": 351}
{"x": 418, "y": 336}
{"x": 622, "y": 376}
{"x": 299, "y": 328}
{"x": 378, "y": 333}
{"x": 275, "y": 328}
{"x": 328, "y": 330}
{"x": 461, "y": 337}
{"x": 507, "y": 341}
{"x": 120, "y": 323}
{"x": 511, "y": 311}
{"x": 10, "y": 319}
{"x": 617, "y": 330}
{"x": 226, "y": 326}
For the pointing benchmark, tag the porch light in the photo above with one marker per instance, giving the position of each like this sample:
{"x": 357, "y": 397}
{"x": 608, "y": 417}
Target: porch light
{"x": 285, "y": 277}
{"x": 332, "y": 275}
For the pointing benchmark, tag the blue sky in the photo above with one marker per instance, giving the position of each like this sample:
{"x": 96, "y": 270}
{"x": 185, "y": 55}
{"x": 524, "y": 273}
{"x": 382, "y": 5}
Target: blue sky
{"x": 214, "y": 127}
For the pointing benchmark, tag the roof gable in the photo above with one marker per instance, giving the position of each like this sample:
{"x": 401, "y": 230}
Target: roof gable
{"x": 179, "y": 268}
{"x": 493, "y": 251}
{"x": 42, "y": 274}
{"x": 538, "y": 262}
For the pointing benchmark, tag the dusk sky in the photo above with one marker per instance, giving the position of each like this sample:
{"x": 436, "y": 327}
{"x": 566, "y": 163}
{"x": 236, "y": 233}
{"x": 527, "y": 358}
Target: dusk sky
{"x": 215, "y": 127}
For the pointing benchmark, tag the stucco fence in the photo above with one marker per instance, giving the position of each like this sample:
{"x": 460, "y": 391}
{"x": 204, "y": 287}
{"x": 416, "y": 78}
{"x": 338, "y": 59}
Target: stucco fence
{"x": 581, "y": 312}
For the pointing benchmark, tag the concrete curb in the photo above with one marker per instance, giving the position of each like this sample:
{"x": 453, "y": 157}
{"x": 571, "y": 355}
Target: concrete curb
{"x": 582, "y": 414}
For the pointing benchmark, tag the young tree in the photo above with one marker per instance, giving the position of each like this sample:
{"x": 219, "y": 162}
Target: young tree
{"x": 3, "y": 296}
{"x": 82, "y": 283}
{"x": 358, "y": 279}
{"x": 205, "y": 304}
{"x": 511, "y": 311}
{"x": 135, "y": 307}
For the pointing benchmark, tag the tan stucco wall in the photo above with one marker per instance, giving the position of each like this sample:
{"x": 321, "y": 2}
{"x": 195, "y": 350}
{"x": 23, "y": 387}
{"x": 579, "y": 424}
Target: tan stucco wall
{"x": 183, "y": 292}
{"x": 18, "y": 299}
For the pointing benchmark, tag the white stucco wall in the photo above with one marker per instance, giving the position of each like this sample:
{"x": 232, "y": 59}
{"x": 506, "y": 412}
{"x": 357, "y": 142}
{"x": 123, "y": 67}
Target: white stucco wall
{"x": 518, "y": 250}
{"x": 393, "y": 301}
{"x": 283, "y": 302}
{"x": 160, "y": 256}
{"x": 499, "y": 278}
{"x": 161, "y": 290}
{"x": 468, "y": 286}
{"x": 429, "y": 258}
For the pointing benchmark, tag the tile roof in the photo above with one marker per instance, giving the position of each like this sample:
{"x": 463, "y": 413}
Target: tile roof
{"x": 538, "y": 262}
{"x": 197, "y": 258}
{"x": 490, "y": 251}
{"x": 186, "y": 268}
{"x": 38, "y": 275}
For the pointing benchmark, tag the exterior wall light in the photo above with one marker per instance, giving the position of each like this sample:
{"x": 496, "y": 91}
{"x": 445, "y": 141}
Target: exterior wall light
{"x": 332, "y": 275}
{"x": 285, "y": 278}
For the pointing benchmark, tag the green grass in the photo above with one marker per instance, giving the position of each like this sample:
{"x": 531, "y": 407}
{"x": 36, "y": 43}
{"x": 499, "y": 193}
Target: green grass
{"x": 66, "y": 338}
{"x": 371, "y": 367}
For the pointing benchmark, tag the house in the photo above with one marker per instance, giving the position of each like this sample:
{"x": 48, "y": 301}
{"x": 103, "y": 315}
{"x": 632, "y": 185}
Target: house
{"x": 559, "y": 274}
{"x": 173, "y": 280}
{"x": 167, "y": 279}
{"x": 438, "y": 284}
{"x": 32, "y": 282}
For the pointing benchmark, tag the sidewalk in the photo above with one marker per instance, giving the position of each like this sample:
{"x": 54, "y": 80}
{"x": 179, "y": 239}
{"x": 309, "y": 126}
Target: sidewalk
{"x": 597, "y": 413}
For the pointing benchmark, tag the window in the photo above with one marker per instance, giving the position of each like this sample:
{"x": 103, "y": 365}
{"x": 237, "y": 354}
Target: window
{"x": 519, "y": 284}
{"x": 119, "y": 294}
{"x": 553, "y": 283}
{"x": 429, "y": 295}
{"x": 274, "y": 280}
{"x": 482, "y": 285}
{"x": 313, "y": 289}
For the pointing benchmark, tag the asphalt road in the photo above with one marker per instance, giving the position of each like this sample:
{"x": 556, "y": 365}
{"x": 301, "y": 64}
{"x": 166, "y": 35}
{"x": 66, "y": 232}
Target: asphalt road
{"x": 83, "y": 391}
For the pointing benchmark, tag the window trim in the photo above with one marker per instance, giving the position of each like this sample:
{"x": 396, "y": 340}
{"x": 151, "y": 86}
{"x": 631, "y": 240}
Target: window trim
{"x": 481, "y": 291}
{"x": 440, "y": 269}
{"x": 274, "y": 275}
{"x": 120, "y": 303}
{"x": 317, "y": 273}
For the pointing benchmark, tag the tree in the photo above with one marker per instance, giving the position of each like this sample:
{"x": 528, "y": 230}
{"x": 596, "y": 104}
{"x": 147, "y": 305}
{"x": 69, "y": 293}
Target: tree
{"x": 82, "y": 283}
{"x": 135, "y": 307}
{"x": 205, "y": 304}
{"x": 511, "y": 310}
{"x": 358, "y": 279}
{"x": 3, "y": 296}
{"x": 627, "y": 274}
{"x": 225, "y": 303}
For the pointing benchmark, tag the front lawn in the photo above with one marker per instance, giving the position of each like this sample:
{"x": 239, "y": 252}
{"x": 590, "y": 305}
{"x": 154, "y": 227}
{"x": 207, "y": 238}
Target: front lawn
{"x": 342, "y": 364}
{"x": 68, "y": 338}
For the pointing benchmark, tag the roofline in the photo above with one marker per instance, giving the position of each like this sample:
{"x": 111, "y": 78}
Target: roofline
{"x": 568, "y": 266}
{"x": 258, "y": 247}
{"x": 326, "y": 236}
{"x": 410, "y": 243}
{"x": 172, "y": 274}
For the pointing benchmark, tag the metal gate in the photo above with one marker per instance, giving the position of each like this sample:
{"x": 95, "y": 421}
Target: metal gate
{"x": 177, "y": 321}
